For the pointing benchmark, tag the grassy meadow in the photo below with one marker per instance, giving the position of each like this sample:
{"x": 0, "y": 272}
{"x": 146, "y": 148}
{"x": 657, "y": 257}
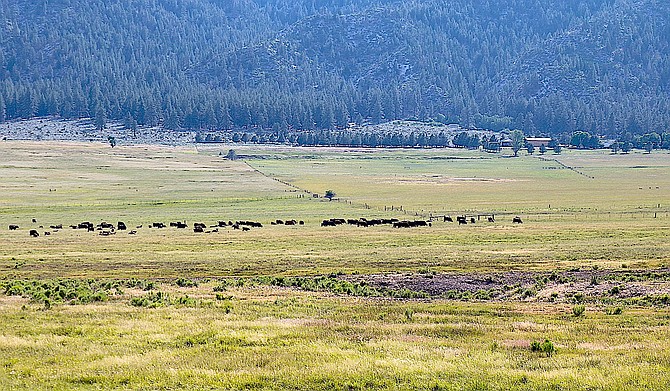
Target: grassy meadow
{"x": 604, "y": 212}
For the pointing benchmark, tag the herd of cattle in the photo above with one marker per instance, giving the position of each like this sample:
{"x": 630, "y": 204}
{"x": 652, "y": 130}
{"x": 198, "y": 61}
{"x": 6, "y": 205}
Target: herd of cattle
{"x": 106, "y": 229}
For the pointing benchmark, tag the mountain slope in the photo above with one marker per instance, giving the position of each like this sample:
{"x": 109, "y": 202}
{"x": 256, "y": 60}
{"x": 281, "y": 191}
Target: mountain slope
{"x": 546, "y": 67}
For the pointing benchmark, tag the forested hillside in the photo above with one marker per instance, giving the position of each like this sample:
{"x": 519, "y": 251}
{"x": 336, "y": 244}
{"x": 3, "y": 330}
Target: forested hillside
{"x": 543, "y": 66}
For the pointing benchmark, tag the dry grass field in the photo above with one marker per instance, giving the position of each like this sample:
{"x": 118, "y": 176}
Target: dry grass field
{"x": 166, "y": 308}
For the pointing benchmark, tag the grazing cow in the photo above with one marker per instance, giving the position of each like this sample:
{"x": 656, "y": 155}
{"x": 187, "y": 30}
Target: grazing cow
{"x": 47, "y": 233}
{"x": 517, "y": 220}
{"x": 448, "y": 219}
{"x": 57, "y": 226}
{"x": 301, "y": 222}
{"x": 461, "y": 220}
{"x": 492, "y": 220}
{"x": 198, "y": 229}
{"x": 34, "y": 233}
{"x": 279, "y": 222}
{"x": 158, "y": 225}
{"x": 472, "y": 220}
{"x": 34, "y": 220}
{"x": 133, "y": 232}
{"x": 199, "y": 225}
{"x": 246, "y": 229}
{"x": 290, "y": 222}
{"x": 235, "y": 226}
{"x": 13, "y": 227}
{"x": 139, "y": 226}
{"x": 328, "y": 223}
{"x": 121, "y": 226}
{"x": 222, "y": 224}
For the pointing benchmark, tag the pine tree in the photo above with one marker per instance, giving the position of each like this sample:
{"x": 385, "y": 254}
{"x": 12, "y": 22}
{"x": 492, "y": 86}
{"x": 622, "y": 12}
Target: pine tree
{"x": 3, "y": 110}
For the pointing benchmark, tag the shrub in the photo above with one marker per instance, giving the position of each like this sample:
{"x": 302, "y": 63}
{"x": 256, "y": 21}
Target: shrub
{"x": 578, "y": 310}
{"x": 151, "y": 300}
{"x": 186, "y": 283}
{"x": 546, "y": 347}
{"x": 186, "y": 301}
{"x": 535, "y": 346}
{"x": 409, "y": 314}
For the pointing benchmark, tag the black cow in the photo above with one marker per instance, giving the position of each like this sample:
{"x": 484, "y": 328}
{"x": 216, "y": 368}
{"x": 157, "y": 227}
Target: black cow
{"x": 492, "y": 220}
{"x": 121, "y": 226}
{"x": 290, "y": 222}
{"x": 246, "y": 229}
{"x": 461, "y": 220}
{"x": 301, "y": 222}
{"x": 472, "y": 220}
{"x": 198, "y": 228}
{"x": 57, "y": 226}
{"x": 449, "y": 219}
{"x": 34, "y": 233}
{"x": 85, "y": 225}
{"x": 517, "y": 220}
{"x": 158, "y": 225}
{"x": 13, "y": 227}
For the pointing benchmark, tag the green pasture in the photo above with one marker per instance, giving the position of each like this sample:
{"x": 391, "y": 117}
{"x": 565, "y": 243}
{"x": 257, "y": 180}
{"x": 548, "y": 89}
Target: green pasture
{"x": 457, "y": 181}
{"x": 617, "y": 215}
{"x": 607, "y": 212}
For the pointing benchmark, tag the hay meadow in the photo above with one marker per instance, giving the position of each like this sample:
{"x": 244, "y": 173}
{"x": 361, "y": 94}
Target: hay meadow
{"x": 289, "y": 307}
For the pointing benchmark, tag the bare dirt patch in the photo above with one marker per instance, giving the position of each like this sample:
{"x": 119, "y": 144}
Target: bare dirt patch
{"x": 572, "y": 286}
